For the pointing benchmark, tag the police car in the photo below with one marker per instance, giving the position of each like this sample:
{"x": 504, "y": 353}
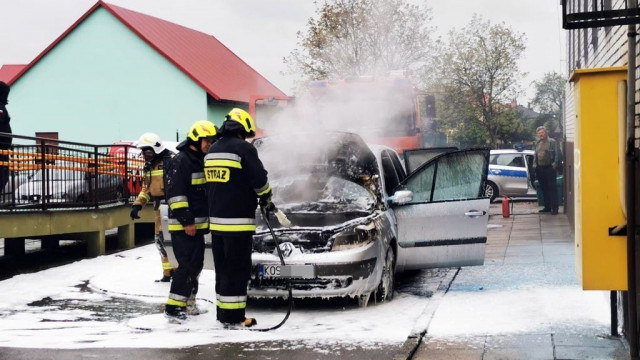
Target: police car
{"x": 510, "y": 174}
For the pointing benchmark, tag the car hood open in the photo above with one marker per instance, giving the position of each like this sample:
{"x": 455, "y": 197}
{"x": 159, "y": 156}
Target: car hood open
{"x": 337, "y": 165}
{"x": 337, "y": 153}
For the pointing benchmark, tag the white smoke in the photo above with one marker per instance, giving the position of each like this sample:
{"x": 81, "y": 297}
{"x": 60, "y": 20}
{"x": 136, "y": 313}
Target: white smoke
{"x": 374, "y": 110}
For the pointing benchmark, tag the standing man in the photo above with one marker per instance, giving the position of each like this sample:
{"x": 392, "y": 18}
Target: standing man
{"x": 5, "y": 141}
{"x": 155, "y": 154}
{"x": 546, "y": 160}
{"x": 236, "y": 179}
{"x": 188, "y": 220}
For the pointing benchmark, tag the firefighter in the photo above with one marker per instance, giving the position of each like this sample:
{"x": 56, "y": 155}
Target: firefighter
{"x": 155, "y": 154}
{"x": 236, "y": 179}
{"x": 188, "y": 221}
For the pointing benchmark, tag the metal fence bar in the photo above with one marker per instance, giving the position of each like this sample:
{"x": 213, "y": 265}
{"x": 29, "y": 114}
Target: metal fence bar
{"x": 51, "y": 174}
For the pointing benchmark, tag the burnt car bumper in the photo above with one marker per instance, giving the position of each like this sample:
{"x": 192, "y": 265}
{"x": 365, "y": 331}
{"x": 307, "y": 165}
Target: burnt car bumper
{"x": 341, "y": 273}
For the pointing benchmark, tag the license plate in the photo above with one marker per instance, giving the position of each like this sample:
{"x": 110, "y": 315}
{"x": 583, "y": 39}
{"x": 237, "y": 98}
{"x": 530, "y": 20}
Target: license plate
{"x": 286, "y": 271}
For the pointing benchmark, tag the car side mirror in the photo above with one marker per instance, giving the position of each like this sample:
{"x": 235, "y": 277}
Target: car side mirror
{"x": 401, "y": 197}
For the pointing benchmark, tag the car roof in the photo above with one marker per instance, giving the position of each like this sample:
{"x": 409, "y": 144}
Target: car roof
{"x": 510, "y": 151}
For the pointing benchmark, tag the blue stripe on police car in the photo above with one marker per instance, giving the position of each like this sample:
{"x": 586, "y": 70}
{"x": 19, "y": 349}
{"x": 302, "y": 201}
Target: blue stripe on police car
{"x": 509, "y": 172}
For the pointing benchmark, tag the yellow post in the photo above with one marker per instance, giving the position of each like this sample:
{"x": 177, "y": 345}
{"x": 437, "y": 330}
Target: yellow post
{"x": 601, "y": 259}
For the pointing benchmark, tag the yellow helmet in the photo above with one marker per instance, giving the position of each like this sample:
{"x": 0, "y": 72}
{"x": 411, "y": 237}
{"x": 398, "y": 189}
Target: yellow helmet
{"x": 244, "y": 119}
{"x": 202, "y": 129}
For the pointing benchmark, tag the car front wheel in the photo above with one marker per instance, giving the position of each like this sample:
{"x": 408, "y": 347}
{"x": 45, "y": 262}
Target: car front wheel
{"x": 384, "y": 292}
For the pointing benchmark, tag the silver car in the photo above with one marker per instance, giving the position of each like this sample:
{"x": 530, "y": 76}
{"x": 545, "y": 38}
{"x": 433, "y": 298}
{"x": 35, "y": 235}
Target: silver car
{"x": 68, "y": 184}
{"x": 510, "y": 174}
{"x": 358, "y": 219}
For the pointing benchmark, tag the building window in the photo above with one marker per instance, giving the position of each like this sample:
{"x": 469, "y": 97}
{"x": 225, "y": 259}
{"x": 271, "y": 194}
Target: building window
{"x": 570, "y": 49}
{"x": 585, "y": 46}
{"x": 606, "y": 5}
{"x": 585, "y": 37}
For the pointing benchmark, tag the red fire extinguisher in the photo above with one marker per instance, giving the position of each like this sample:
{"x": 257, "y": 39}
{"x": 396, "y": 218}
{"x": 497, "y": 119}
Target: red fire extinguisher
{"x": 505, "y": 206}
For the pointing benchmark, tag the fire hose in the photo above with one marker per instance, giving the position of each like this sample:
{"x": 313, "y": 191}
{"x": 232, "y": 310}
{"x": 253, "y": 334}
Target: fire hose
{"x": 285, "y": 222}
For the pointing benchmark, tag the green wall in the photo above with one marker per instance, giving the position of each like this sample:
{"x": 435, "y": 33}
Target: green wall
{"x": 102, "y": 83}
{"x": 216, "y": 113}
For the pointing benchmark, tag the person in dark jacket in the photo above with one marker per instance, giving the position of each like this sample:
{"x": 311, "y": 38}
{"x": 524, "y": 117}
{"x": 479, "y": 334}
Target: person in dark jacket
{"x": 547, "y": 159}
{"x": 188, "y": 218}
{"x": 236, "y": 179}
{"x": 5, "y": 141}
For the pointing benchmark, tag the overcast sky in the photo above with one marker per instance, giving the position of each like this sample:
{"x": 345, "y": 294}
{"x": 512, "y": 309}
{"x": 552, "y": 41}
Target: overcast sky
{"x": 262, "y": 32}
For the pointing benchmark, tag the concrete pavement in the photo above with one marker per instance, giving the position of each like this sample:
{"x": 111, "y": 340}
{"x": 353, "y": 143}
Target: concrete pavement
{"x": 525, "y": 243}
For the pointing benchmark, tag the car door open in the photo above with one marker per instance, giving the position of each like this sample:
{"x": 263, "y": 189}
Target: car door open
{"x": 441, "y": 213}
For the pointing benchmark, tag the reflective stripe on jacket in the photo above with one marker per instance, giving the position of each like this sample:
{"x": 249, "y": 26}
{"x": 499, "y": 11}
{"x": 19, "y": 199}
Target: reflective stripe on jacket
{"x": 153, "y": 180}
{"x": 185, "y": 191}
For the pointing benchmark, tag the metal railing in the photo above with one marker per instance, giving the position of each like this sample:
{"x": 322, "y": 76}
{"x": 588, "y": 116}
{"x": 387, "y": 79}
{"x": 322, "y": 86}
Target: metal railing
{"x": 580, "y": 14}
{"x": 46, "y": 174}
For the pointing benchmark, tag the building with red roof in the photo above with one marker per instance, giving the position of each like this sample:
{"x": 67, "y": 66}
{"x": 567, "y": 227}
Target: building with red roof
{"x": 116, "y": 73}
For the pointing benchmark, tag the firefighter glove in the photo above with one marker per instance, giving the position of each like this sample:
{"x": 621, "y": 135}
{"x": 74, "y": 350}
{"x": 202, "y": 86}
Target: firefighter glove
{"x": 269, "y": 208}
{"x": 266, "y": 204}
{"x": 134, "y": 212}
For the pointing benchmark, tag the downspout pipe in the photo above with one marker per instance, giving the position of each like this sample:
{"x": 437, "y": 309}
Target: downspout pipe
{"x": 631, "y": 191}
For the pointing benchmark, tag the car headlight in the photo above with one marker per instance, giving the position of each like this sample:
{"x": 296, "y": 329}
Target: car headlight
{"x": 354, "y": 237}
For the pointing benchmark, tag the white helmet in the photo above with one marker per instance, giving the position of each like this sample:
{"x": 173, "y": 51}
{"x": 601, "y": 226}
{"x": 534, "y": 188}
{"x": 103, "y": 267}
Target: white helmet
{"x": 152, "y": 141}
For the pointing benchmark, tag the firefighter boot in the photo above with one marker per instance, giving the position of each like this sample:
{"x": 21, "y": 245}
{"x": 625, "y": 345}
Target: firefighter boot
{"x": 247, "y": 323}
{"x": 175, "y": 313}
{"x": 166, "y": 270}
{"x": 193, "y": 309}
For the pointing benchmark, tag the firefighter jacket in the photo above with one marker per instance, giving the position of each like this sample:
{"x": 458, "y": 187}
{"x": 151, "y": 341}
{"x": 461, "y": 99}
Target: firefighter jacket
{"x": 153, "y": 179}
{"x": 236, "y": 178}
{"x": 185, "y": 190}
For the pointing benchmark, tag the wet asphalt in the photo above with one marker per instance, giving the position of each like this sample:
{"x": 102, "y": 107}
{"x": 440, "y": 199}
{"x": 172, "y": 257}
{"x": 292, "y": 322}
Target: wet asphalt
{"x": 254, "y": 350}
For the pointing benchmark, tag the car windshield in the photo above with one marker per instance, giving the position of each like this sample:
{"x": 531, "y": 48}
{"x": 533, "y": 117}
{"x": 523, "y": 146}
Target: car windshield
{"x": 317, "y": 193}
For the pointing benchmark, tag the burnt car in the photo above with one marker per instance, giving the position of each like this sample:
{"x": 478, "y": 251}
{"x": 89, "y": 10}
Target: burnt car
{"x": 358, "y": 219}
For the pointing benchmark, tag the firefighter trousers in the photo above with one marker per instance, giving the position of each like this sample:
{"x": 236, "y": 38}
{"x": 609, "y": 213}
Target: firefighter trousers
{"x": 232, "y": 260}
{"x": 159, "y": 240}
{"x": 189, "y": 252}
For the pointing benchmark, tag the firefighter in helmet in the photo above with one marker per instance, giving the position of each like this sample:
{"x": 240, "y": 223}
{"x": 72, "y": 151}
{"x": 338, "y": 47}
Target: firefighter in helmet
{"x": 155, "y": 154}
{"x": 236, "y": 179}
{"x": 188, "y": 219}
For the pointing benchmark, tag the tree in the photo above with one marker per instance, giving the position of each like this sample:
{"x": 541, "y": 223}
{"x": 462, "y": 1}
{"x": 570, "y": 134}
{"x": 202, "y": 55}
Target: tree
{"x": 479, "y": 78}
{"x": 511, "y": 127}
{"x": 548, "y": 99}
{"x": 361, "y": 37}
